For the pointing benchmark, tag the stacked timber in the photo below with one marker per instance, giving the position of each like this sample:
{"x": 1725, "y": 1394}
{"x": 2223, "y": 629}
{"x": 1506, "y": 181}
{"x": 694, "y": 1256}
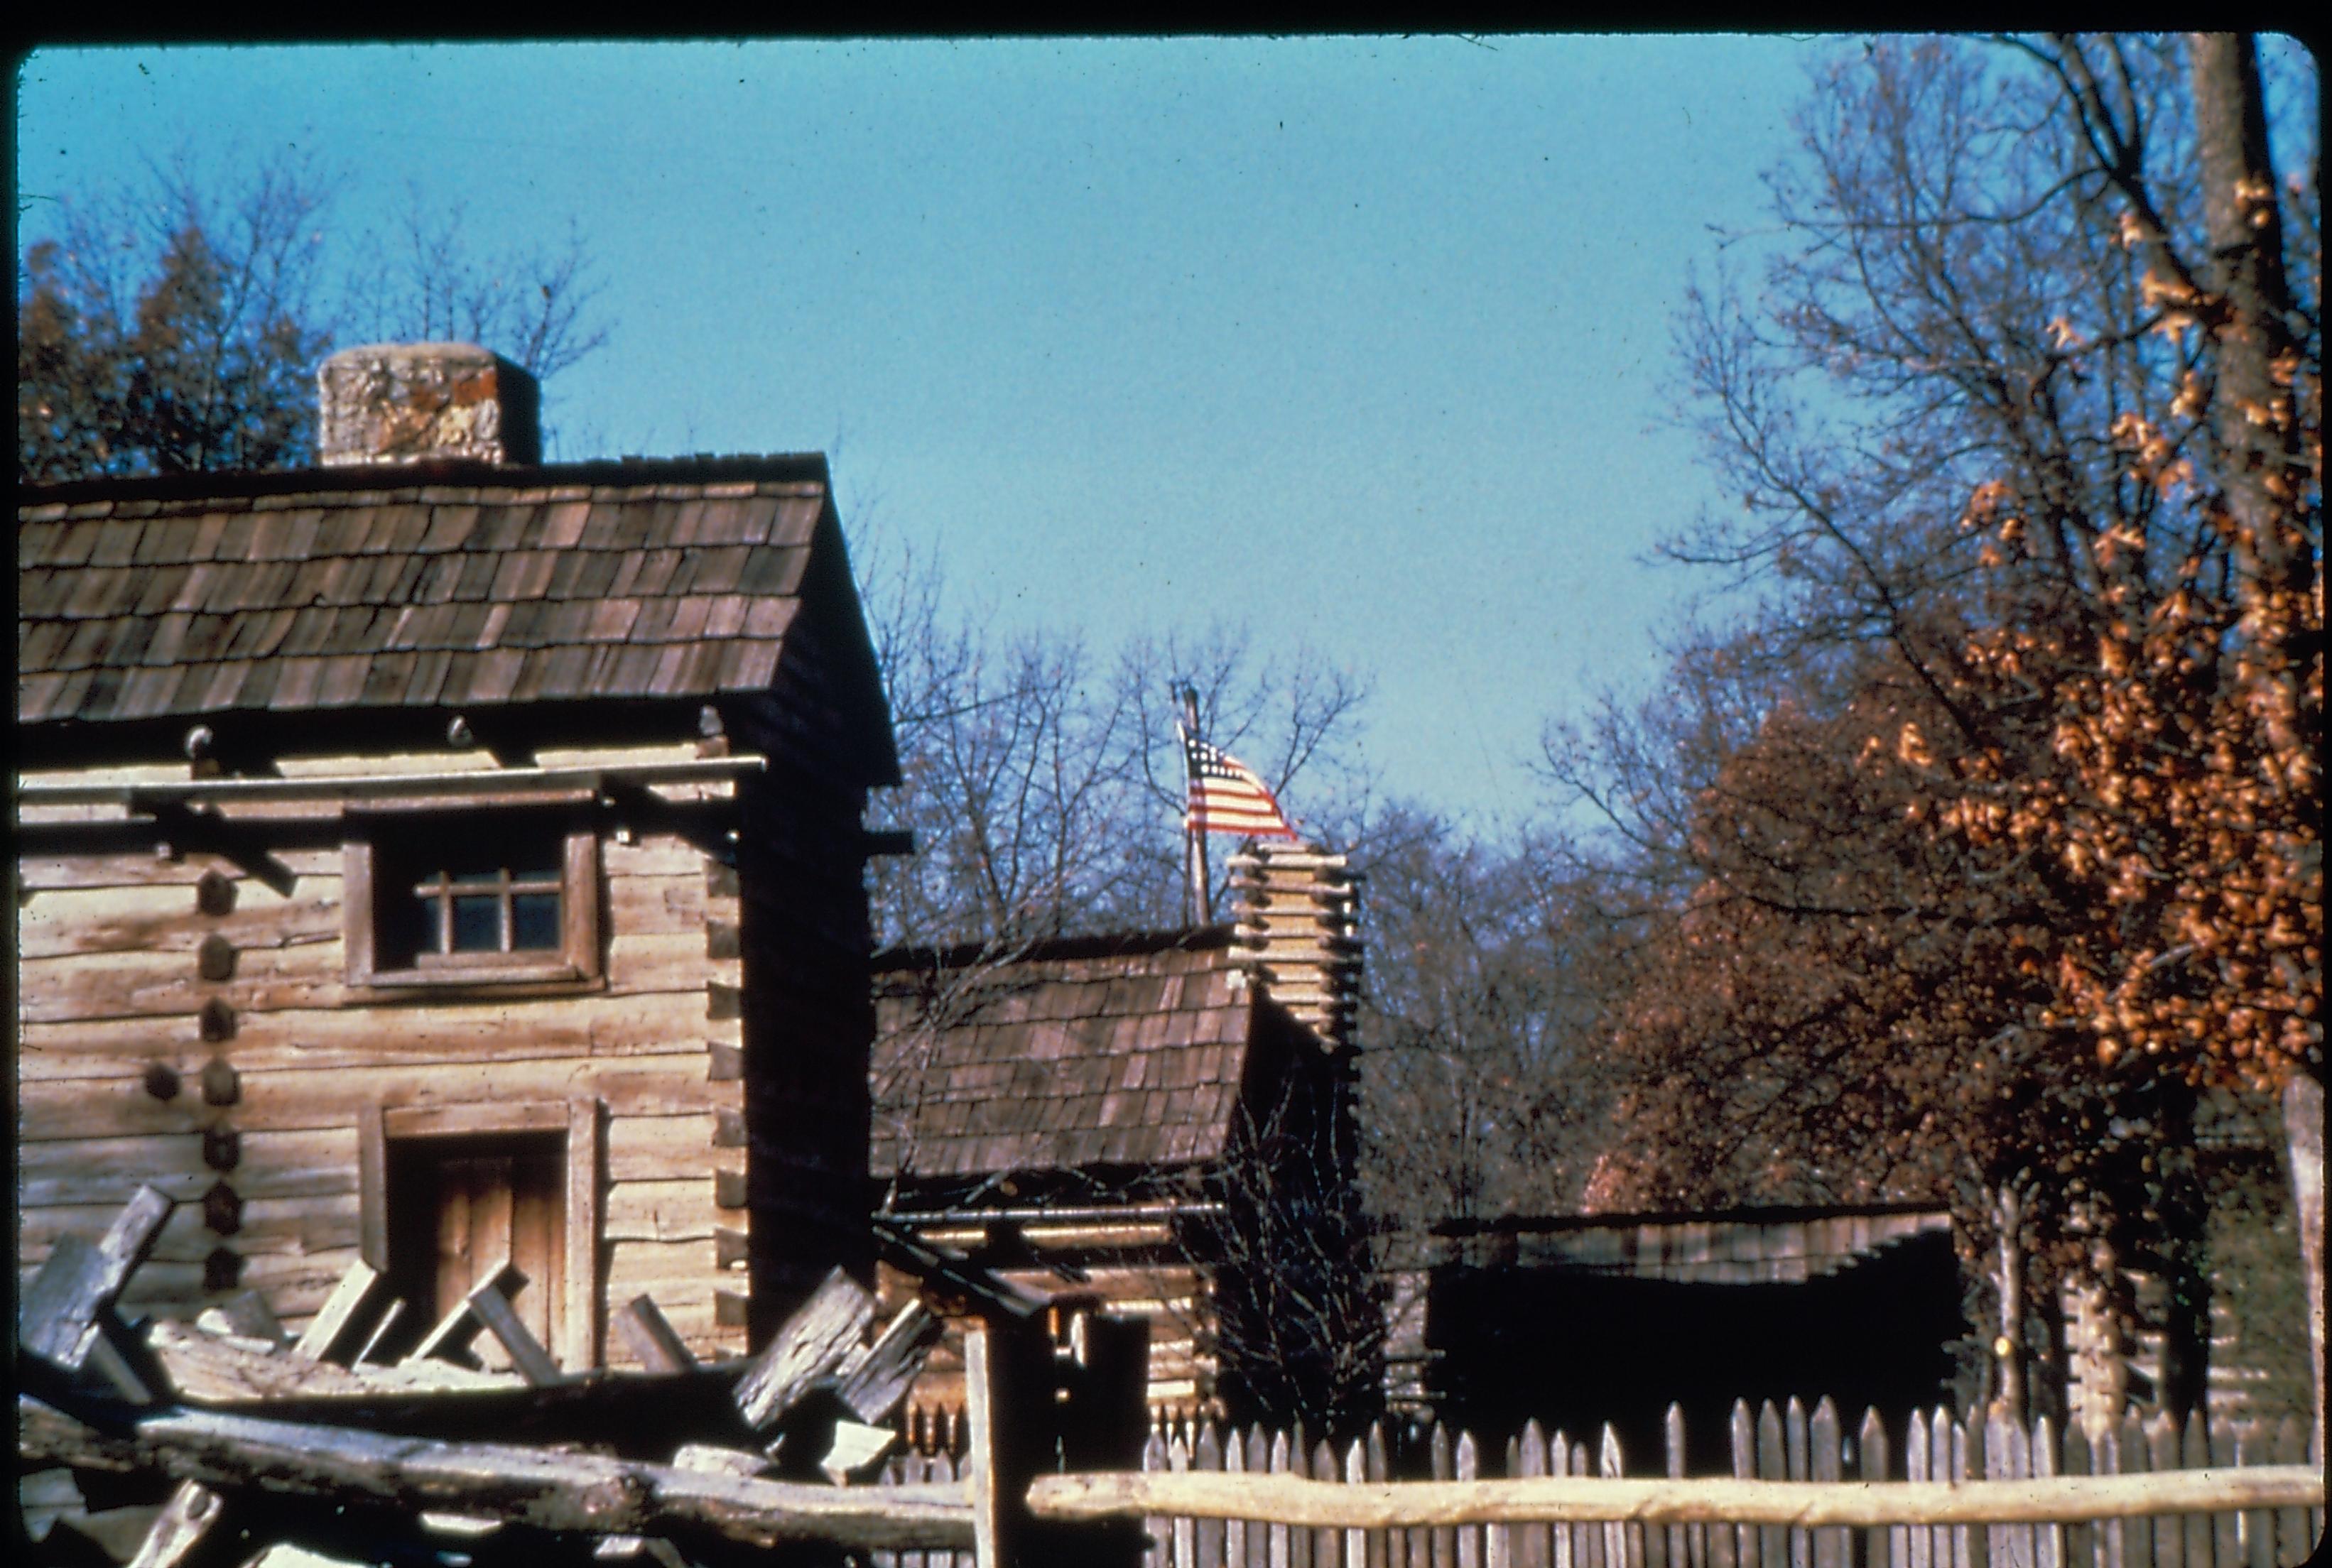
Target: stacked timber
{"x": 320, "y": 1443}
{"x": 1297, "y": 925}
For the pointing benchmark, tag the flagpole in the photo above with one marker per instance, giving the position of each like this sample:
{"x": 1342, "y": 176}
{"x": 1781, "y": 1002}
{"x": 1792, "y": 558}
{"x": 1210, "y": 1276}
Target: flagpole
{"x": 1199, "y": 897}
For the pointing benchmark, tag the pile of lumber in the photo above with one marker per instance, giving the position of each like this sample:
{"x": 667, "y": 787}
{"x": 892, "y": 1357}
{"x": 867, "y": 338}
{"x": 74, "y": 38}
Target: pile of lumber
{"x": 288, "y": 1449}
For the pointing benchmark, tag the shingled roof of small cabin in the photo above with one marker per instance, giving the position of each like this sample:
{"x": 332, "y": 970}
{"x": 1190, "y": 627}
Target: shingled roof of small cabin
{"x": 1117, "y": 1051}
{"x": 454, "y": 586}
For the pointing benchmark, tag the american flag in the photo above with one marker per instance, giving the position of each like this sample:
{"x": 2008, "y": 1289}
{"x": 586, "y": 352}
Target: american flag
{"x": 1227, "y": 797}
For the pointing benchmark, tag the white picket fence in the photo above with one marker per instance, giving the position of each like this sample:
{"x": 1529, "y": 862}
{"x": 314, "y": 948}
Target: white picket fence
{"x": 1774, "y": 1444}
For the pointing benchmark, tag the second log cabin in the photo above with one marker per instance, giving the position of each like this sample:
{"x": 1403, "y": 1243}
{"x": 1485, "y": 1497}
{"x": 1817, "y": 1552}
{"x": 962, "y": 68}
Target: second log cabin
{"x": 1156, "y": 1124}
{"x": 440, "y": 858}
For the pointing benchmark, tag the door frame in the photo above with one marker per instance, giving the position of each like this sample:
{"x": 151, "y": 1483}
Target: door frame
{"x": 581, "y": 1120}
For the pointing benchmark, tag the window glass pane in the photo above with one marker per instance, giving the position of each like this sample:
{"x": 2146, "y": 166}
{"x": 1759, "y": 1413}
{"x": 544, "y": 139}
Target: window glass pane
{"x": 535, "y": 920}
{"x": 409, "y": 926}
{"x": 477, "y": 925}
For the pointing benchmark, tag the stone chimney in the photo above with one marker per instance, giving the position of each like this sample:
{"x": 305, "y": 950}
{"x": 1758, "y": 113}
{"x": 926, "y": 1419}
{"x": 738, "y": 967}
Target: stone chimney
{"x": 402, "y": 402}
{"x": 1298, "y": 929}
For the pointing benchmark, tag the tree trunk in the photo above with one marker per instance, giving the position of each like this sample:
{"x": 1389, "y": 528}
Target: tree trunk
{"x": 2303, "y": 1125}
{"x": 2251, "y": 414}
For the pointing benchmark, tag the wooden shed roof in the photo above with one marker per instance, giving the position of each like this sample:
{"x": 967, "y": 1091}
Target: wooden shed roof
{"x": 1087, "y": 1053}
{"x": 450, "y": 585}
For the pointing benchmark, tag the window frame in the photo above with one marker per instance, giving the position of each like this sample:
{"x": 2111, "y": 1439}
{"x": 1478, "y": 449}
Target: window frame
{"x": 574, "y": 964}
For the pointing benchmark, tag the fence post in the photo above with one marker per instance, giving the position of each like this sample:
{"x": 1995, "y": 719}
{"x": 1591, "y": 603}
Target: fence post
{"x": 998, "y": 1477}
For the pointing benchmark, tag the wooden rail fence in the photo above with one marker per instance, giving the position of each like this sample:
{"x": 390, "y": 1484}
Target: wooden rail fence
{"x": 1980, "y": 1495}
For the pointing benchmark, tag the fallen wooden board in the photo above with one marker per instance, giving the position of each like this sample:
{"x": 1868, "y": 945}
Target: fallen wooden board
{"x": 873, "y": 1380}
{"x": 538, "y": 1487}
{"x": 210, "y": 1370}
{"x": 822, "y": 1332}
{"x": 59, "y": 1315}
{"x": 184, "y": 1521}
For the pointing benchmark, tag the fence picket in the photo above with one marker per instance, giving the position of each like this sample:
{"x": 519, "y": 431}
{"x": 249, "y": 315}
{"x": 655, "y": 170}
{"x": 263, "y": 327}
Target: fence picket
{"x": 1443, "y": 1466}
{"x": 2007, "y": 1457}
{"x": 2226, "y": 1529}
{"x": 1532, "y": 1548}
{"x": 1381, "y": 1544}
{"x": 1882, "y": 1546}
{"x": 1745, "y": 1465}
{"x": 2195, "y": 1454}
{"x": 1773, "y": 1465}
{"x": 1558, "y": 1463}
{"x": 1590, "y": 1552}
{"x": 1278, "y": 1535}
{"x": 2047, "y": 1540}
{"x": 2295, "y": 1532}
{"x": 1500, "y": 1540}
{"x": 2251, "y": 1447}
{"x": 1207, "y": 1454}
{"x": 1624, "y": 1543}
{"x": 1825, "y": 1463}
{"x": 1154, "y": 1525}
{"x": 2138, "y": 1533}
{"x": 2162, "y": 1454}
{"x": 1469, "y": 1468}
{"x": 1918, "y": 1540}
{"x": 1327, "y": 1545}
{"x": 1971, "y": 1548}
{"x": 1793, "y": 1431}
{"x": 1681, "y": 1543}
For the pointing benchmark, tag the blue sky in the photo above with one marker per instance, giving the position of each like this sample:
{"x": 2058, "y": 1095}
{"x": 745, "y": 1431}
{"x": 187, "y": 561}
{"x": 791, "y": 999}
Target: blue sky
{"x": 1363, "y": 344}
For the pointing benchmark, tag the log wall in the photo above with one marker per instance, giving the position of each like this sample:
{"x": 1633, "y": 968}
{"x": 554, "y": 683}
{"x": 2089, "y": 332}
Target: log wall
{"x": 244, "y": 1095}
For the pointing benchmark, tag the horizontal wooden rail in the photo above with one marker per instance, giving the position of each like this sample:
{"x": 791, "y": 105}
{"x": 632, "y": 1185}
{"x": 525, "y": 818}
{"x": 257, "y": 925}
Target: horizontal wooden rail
{"x": 1293, "y": 1500}
{"x": 552, "y": 1490}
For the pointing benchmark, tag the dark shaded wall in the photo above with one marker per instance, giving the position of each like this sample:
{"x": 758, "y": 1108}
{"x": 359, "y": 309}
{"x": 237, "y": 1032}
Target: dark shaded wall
{"x": 1576, "y": 1349}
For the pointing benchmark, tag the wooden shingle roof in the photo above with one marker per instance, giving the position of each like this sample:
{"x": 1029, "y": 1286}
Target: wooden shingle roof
{"x": 1102, "y": 1051}
{"x": 452, "y": 586}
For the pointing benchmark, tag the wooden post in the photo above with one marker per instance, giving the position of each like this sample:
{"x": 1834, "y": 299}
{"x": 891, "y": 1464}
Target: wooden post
{"x": 1202, "y": 885}
{"x": 996, "y": 1477}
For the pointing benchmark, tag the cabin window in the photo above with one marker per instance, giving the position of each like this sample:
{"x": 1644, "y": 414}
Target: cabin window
{"x": 473, "y": 898}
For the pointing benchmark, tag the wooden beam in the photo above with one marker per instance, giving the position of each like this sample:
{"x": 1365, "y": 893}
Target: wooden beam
{"x": 60, "y": 1316}
{"x": 875, "y": 1379}
{"x": 652, "y": 1337}
{"x": 337, "y": 1328}
{"x": 808, "y": 1347}
{"x": 1323, "y": 1504}
{"x": 595, "y": 779}
{"x": 180, "y": 1527}
{"x": 991, "y": 1513}
{"x": 526, "y": 1352}
{"x": 450, "y": 1339}
{"x": 545, "y": 1489}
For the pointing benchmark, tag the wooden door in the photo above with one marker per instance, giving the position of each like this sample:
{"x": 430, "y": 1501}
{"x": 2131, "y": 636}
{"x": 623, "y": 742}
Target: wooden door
{"x": 459, "y": 1206}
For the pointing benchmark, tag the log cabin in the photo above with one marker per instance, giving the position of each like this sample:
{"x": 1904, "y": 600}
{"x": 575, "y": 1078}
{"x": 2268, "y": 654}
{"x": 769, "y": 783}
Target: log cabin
{"x": 1154, "y": 1124}
{"x": 437, "y": 858}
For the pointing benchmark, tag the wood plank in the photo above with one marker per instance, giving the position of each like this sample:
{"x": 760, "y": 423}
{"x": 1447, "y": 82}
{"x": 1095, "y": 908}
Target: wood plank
{"x": 206, "y": 1370}
{"x": 60, "y": 1317}
{"x": 551, "y": 1490}
{"x": 526, "y": 1352}
{"x": 873, "y": 1380}
{"x": 651, "y": 1338}
{"x": 184, "y": 1520}
{"x": 339, "y": 1324}
{"x": 808, "y": 1346}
